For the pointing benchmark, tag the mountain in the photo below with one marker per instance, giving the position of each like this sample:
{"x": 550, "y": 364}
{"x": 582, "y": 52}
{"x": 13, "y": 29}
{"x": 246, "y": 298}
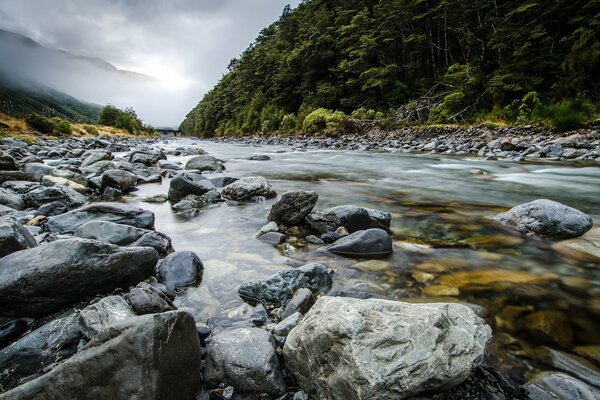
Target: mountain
{"x": 468, "y": 58}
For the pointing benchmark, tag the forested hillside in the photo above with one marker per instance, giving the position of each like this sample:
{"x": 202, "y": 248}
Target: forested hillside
{"x": 459, "y": 58}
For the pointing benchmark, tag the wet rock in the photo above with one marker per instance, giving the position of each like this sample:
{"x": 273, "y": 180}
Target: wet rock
{"x": 111, "y": 212}
{"x": 70, "y": 175}
{"x": 246, "y": 188}
{"x": 372, "y": 243}
{"x": 244, "y": 358}
{"x": 147, "y": 158}
{"x": 14, "y": 237}
{"x": 156, "y": 240}
{"x": 118, "y": 179}
{"x": 51, "y": 343}
{"x": 179, "y": 269}
{"x": 49, "y": 181}
{"x": 104, "y": 313}
{"x": 293, "y": 207}
{"x": 111, "y": 194}
{"x": 278, "y": 289}
{"x": 559, "y": 386}
{"x": 7, "y": 163}
{"x": 11, "y": 199}
{"x": 223, "y": 181}
{"x": 570, "y": 364}
{"x": 43, "y": 195}
{"x": 169, "y": 165}
{"x": 186, "y": 183}
{"x": 42, "y": 280}
{"x": 259, "y": 157}
{"x": 146, "y": 299}
{"x": 390, "y": 350}
{"x": 586, "y": 248}
{"x": 10, "y": 330}
{"x": 148, "y": 357}
{"x": 301, "y": 302}
{"x": 157, "y": 198}
{"x": 109, "y": 232}
{"x": 270, "y": 227}
{"x": 550, "y": 327}
{"x": 36, "y": 171}
{"x": 95, "y": 157}
{"x": 547, "y": 218}
{"x": 591, "y": 353}
{"x": 491, "y": 279}
{"x": 204, "y": 163}
{"x": 352, "y": 217}
{"x": 273, "y": 238}
{"x": 7, "y": 176}
{"x": 286, "y": 325}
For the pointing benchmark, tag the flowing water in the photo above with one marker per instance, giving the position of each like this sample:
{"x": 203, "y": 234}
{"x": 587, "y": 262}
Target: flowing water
{"x": 446, "y": 246}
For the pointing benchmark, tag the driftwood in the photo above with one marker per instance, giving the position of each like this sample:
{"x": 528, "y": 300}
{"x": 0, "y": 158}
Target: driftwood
{"x": 417, "y": 111}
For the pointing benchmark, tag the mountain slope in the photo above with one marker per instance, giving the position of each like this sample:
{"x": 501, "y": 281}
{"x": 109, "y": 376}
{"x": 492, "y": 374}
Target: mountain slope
{"x": 380, "y": 54}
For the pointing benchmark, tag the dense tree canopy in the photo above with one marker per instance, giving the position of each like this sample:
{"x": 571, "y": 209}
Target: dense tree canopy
{"x": 377, "y": 55}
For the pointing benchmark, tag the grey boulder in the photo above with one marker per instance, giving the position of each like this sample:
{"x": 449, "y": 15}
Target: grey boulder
{"x": 118, "y": 179}
{"x": 147, "y": 299}
{"x": 11, "y": 199}
{"x": 186, "y": 183}
{"x": 179, "y": 269}
{"x": 293, "y": 207}
{"x": 36, "y": 171}
{"x": 372, "y": 243}
{"x": 244, "y": 358}
{"x": 158, "y": 241}
{"x": 102, "y": 314}
{"x": 204, "y": 163}
{"x": 14, "y": 237}
{"x": 43, "y": 195}
{"x": 278, "y": 289}
{"x": 247, "y": 188}
{"x": 7, "y": 163}
{"x": 547, "y": 218}
{"x": 148, "y": 357}
{"x": 347, "y": 348}
{"x": 110, "y": 232}
{"x": 352, "y": 217}
{"x": 42, "y": 280}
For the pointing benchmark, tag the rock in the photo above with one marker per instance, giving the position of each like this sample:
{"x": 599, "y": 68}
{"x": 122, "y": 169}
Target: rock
{"x": 50, "y": 343}
{"x": 156, "y": 240}
{"x": 293, "y": 207}
{"x": 169, "y": 165}
{"x": 372, "y": 243}
{"x": 550, "y": 327}
{"x": 36, "y": 171}
{"x": 157, "y": 198}
{"x": 118, "y": 179}
{"x": 559, "y": 386}
{"x": 43, "y": 195}
{"x": 10, "y": 330}
{"x": 259, "y": 157}
{"x": 246, "y": 359}
{"x": 111, "y": 212}
{"x": 247, "y": 188}
{"x": 494, "y": 279}
{"x": 11, "y": 199}
{"x": 352, "y": 217}
{"x": 146, "y": 299}
{"x": 7, "y": 176}
{"x": 70, "y": 175}
{"x": 273, "y": 238}
{"x": 221, "y": 181}
{"x": 570, "y": 364}
{"x": 7, "y": 163}
{"x": 586, "y": 247}
{"x": 547, "y": 218}
{"x": 278, "y": 289}
{"x": 179, "y": 269}
{"x": 147, "y": 158}
{"x": 440, "y": 291}
{"x": 186, "y": 183}
{"x": 591, "y": 352}
{"x": 301, "y": 302}
{"x": 387, "y": 349}
{"x": 149, "y": 357}
{"x": 204, "y": 163}
{"x": 14, "y": 237}
{"x": 41, "y": 280}
{"x": 49, "y": 181}
{"x": 51, "y": 209}
{"x": 270, "y": 227}
{"x": 104, "y": 313}
{"x": 95, "y": 157}
{"x": 97, "y": 169}
{"x": 109, "y": 232}
{"x": 285, "y": 326}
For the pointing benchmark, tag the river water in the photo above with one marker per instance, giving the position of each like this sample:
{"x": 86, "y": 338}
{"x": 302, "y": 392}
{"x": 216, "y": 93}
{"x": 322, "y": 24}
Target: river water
{"x": 446, "y": 246}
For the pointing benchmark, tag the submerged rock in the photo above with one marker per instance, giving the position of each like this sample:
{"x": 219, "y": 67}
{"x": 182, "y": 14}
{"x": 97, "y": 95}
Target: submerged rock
{"x": 293, "y": 207}
{"x": 547, "y": 218}
{"x": 14, "y": 237}
{"x": 179, "y": 269}
{"x": 247, "y": 188}
{"x": 390, "y": 350}
{"x": 352, "y": 217}
{"x": 371, "y": 243}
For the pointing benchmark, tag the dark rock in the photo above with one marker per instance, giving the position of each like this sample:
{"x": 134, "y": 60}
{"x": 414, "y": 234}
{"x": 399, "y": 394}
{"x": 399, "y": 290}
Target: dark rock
{"x": 95, "y": 157}
{"x": 284, "y": 327}
{"x": 301, "y": 302}
{"x": 109, "y": 232}
{"x": 11, "y": 199}
{"x": 111, "y": 194}
{"x": 186, "y": 183}
{"x": 556, "y": 385}
{"x": 148, "y": 357}
{"x": 204, "y": 163}
{"x": 352, "y": 217}
{"x": 223, "y": 181}
{"x": 53, "y": 208}
{"x": 7, "y": 163}
{"x": 146, "y": 299}
{"x": 156, "y": 240}
{"x": 273, "y": 238}
{"x": 179, "y": 269}
{"x": 44, "y": 195}
{"x": 547, "y": 218}
{"x": 10, "y": 330}
{"x": 244, "y": 358}
{"x": 147, "y": 158}
{"x": 247, "y": 188}
{"x": 7, "y": 176}
{"x": 118, "y": 179}
{"x": 572, "y": 365}
{"x": 102, "y": 314}
{"x": 278, "y": 289}
{"x": 293, "y": 207}
{"x": 42, "y": 280}
{"x": 14, "y": 237}
{"x": 35, "y": 171}
{"x": 112, "y": 212}
{"x": 372, "y": 243}
{"x": 259, "y": 157}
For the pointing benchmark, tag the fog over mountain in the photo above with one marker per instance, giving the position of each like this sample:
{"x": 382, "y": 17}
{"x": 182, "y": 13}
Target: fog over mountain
{"x": 157, "y": 57}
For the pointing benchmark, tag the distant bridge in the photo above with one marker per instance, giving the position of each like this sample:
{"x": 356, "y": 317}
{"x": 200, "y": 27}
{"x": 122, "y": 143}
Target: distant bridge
{"x": 168, "y": 132}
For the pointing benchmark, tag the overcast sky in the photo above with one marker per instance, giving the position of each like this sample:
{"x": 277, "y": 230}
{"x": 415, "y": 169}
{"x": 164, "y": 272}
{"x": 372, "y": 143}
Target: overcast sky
{"x": 185, "y": 43}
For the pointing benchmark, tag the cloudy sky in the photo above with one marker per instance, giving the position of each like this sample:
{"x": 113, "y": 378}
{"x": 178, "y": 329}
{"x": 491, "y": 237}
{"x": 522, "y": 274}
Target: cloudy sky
{"x": 187, "y": 44}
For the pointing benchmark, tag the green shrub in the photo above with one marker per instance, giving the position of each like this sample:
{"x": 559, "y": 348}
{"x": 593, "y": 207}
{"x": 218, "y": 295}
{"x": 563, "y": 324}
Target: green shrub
{"x": 40, "y": 123}
{"x": 316, "y": 121}
{"x": 289, "y": 123}
{"x": 123, "y": 119}
{"x": 529, "y": 108}
{"x": 91, "y": 129}
{"x": 61, "y": 126}
{"x": 565, "y": 116}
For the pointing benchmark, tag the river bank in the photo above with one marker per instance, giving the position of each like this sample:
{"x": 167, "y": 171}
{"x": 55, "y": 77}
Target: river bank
{"x": 249, "y": 305}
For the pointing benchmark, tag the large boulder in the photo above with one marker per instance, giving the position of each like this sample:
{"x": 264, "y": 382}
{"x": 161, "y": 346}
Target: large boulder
{"x": 204, "y": 163}
{"x": 11, "y": 199}
{"x": 278, "y": 289}
{"x": 186, "y": 183}
{"x": 293, "y": 207}
{"x": 36, "y": 171}
{"x": 42, "y": 280}
{"x": 148, "y": 357}
{"x": 372, "y": 243}
{"x": 352, "y": 349}
{"x": 109, "y": 232}
{"x": 547, "y": 218}
{"x": 247, "y": 188}
{"x": 95, "y": 157}
{"x": 51, "y": 343}
{"x": 146, "y": 157}
{"x": 7, "y": 163}
{"x": 118, "y": 179}
{"x": 352, "y": 217}
{"x": 112, "y": 212}
{"x": 244, "y": 358}
{"x": 179, "y": 269}
{"x": 14, "y": 237}
{"x": 44, "y": 195}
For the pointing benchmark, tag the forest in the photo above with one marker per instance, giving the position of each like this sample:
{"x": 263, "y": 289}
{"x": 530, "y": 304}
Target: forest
{"x": 411, "y": 62}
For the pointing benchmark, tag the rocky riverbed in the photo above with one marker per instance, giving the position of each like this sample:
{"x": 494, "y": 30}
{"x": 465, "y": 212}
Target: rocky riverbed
{"x": 279, "y": 269}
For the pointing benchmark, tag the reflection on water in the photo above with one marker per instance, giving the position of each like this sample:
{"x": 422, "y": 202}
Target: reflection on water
{"x": 446, "y": 247}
